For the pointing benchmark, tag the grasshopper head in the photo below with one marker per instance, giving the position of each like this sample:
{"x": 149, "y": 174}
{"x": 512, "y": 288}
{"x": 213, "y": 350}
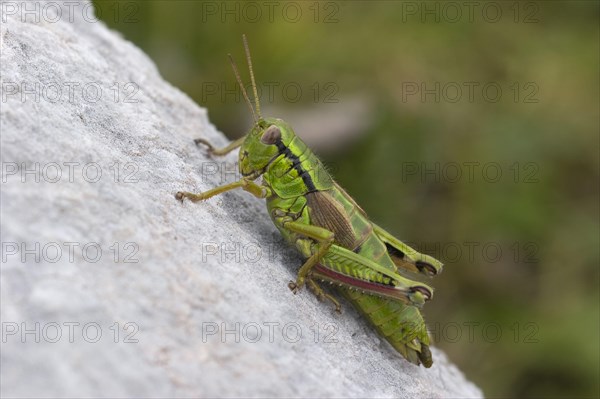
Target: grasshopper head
{"x": 265, "y": 142}
{"x": 268, "y": 138}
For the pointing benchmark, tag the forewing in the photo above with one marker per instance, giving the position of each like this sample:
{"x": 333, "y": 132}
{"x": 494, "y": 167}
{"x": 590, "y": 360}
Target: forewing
{"x": 326, "y": 212}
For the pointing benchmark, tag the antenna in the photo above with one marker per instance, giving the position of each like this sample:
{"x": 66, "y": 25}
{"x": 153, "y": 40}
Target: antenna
{"x": 249, "y": 59}
{"x": 237, "y": 76}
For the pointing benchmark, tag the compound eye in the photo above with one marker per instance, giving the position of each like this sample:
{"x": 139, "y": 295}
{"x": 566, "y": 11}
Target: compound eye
{"x": 271, "y": 135}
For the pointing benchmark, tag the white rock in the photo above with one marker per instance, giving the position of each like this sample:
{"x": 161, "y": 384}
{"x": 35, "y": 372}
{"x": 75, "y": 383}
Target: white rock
{"x": 177, "y": 289}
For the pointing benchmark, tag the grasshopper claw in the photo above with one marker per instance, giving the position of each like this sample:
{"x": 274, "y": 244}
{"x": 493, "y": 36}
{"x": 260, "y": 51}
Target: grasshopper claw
{"x": 206, "y": 143}
{"x": 293, "y": 287}
{"x": 418, "y": 295}
{"x": 426, "y": 268}
{"x": 423, "y": 290}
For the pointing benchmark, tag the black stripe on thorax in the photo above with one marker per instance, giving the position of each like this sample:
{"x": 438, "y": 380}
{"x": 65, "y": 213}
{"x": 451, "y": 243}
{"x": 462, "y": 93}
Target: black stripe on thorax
{"x": 296, "y": 164}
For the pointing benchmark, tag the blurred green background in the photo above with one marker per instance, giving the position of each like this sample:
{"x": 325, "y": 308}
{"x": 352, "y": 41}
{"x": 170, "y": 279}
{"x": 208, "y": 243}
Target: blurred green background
{"x": 469, "y": 129}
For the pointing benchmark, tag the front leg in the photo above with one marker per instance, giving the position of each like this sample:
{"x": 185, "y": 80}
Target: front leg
{"x": 257, "y": 190}
{"x": 221, "y": 151}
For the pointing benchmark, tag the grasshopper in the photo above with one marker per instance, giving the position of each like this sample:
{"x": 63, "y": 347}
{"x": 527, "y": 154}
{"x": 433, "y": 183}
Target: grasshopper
{"x": 340, "y": 244}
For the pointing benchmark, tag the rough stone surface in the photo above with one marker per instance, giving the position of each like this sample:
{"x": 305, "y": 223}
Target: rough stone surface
{"x": 183, "y": 285}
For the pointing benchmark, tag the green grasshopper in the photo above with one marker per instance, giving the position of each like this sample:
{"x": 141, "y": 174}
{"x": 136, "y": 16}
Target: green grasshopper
{"x": 340, "y": 244}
